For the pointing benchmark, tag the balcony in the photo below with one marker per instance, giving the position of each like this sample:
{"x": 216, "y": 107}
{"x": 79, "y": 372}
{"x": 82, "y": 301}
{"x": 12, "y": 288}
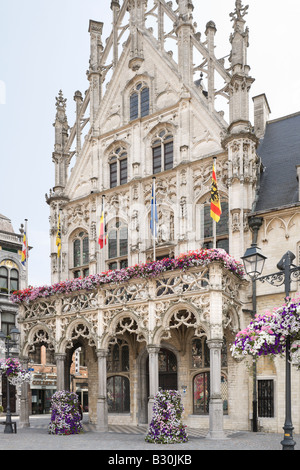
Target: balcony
{"x": 147, "y": 300}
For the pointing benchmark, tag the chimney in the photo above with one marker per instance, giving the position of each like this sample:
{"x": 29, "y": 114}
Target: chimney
{"x": 261, "y": 114}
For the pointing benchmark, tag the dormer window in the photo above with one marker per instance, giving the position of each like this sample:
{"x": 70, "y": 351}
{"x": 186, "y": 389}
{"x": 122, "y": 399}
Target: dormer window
{"x": 139, "y": 101}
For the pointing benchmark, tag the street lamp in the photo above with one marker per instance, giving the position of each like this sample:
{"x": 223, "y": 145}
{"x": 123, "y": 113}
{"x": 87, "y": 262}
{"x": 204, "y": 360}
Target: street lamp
{"x": 287, "y": 272}
{"x": 254, "y": 262}
{"x": 10, "y": 340}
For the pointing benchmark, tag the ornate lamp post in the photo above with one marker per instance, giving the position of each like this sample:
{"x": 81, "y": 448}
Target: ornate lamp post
{"x": 10, "y": 340}
{"x": 254, "y": 262}
{"x": 287, "y": 272}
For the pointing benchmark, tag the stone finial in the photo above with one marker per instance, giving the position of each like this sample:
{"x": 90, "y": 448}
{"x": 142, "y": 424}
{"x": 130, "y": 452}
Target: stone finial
{"x": 239, "y": 12}
{"x": 60, "y": 101}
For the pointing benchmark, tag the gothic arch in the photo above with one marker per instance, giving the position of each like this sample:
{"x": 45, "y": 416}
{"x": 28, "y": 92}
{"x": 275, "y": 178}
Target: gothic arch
{"x": 40, "y": 333}
{"x": 79, "y": 328}
{"x": 180, "y": 314}
{"x": 123, "y": 322}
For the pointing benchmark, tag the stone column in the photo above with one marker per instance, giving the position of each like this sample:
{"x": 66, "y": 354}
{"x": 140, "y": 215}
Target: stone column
{"x": 60, "y": 371}
{"x": 215, "y": 342}
{"x": 24, "y": 402}
{"x": 102, "y": 411}
{"x": 215, "y": 403}
{"x": 153, "y": 351}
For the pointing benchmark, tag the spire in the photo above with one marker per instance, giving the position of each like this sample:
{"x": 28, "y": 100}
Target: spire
{"x": 95, "y": 71}
{"x": 239, "y": 39}
{"x": 241, "y": 81}
{"x": 184, "y": 29}
{"x": 137, "y": 10}
{"x": 61, "y": 123}
{"x": 60, "y": 155}
{"x": 185, "y": 10}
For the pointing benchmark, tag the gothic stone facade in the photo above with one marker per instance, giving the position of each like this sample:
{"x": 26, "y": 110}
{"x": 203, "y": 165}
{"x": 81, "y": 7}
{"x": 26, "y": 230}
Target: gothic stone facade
{"x": 150, "y": 111}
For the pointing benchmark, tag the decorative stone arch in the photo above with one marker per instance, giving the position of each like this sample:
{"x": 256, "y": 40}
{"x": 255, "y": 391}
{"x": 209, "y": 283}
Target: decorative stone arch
{"x": 79, "y": 328}
{"x": 39, "y": 334}
{"x": 125, "y": 322}
{"x": 180, "y": 314}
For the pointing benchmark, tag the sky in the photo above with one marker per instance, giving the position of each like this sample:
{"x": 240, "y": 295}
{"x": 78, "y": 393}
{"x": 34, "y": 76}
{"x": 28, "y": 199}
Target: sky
{"x": 45, "y": 46}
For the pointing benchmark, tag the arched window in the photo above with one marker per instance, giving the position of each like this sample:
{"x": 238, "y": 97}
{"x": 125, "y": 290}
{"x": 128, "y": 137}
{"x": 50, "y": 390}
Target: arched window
{"x": 118, "y": 394}
{"x": 200, "y": 353}
{"x": 200, "y": 359}
{"x": 81, "y": 255}
{"x": 14, "y": 280}
{"x": 3, "y": 280}
{"x": 139, "y": 101}
{"x": 9, "y": 278}
{"x": 118, "y": 357}
{"x": 162, "y": 152}
{"x": 206, "y": 226}
{"x": 118, "y": 245}
{"x": 118, "y": 167}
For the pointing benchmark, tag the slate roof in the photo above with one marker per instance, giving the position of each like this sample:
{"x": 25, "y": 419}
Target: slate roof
{"x": 280, "y": 153}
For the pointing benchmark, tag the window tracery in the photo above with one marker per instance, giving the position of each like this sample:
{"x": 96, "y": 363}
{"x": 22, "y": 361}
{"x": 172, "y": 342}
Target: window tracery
{"x": 162, "y": 151}
{"x": 118, "y": 171}
{"x": 118, "y": 245}
{"x": 80, "y": 244}
{"x": 139, "y": 101}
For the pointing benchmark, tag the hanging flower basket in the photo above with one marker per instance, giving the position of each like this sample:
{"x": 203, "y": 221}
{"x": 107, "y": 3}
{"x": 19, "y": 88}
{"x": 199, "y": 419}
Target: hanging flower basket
{"x": 14, "y": 372}
{"x": 65, "y": 414}
{"x": 267, "y": 334}
{"x": 166, "y": 426}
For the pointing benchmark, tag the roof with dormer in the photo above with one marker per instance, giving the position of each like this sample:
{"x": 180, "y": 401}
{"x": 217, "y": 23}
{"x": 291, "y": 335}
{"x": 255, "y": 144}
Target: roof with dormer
{"x": 280, "y": 154}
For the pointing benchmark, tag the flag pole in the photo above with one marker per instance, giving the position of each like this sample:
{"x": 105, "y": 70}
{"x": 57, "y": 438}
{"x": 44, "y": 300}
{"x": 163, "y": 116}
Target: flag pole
{"x": 154, "y": 220}
{"x": 58, "y": 233}
{"x": 26, "y": 220}
{"x": 214, "y": 222}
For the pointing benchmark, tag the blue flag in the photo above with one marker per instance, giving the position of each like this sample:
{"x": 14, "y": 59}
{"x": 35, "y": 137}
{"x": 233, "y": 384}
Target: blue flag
{"x": 154, "y": 218}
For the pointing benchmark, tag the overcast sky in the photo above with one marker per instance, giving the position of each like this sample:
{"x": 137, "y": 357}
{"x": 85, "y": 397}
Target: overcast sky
{"x": 44, "y": 47}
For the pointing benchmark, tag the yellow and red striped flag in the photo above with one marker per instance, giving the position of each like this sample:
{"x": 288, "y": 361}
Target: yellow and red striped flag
{"x": 24, "y": 249}
{"x": 58, "y": 236}
{"x": 215, "y": 204}
{"x": 102, "y": 234}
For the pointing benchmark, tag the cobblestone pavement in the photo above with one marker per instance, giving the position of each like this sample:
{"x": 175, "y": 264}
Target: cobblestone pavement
{"x": 131, "y": 439}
